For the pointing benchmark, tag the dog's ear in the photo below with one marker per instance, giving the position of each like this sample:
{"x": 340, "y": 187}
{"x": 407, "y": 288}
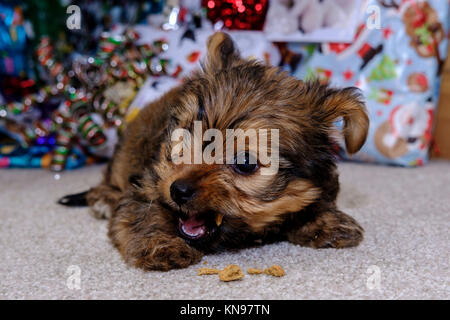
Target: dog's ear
{"x": 329, "y": 104}
{"x": 222, "y": 52}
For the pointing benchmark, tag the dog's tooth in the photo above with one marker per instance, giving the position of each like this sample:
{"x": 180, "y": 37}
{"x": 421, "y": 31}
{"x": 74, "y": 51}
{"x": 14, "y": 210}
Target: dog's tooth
{"x": 219, "y": 218}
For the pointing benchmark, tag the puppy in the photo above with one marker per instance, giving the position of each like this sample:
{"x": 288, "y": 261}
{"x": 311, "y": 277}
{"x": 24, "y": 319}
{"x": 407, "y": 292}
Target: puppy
{"x": 164, "y": 215}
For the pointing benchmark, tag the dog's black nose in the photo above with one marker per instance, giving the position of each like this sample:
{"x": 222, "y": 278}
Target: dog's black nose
{"x": 181, "y": 191}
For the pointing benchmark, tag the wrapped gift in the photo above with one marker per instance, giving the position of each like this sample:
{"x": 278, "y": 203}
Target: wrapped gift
{"x": 12, "y": 41}
{"x": 397, "y": 66}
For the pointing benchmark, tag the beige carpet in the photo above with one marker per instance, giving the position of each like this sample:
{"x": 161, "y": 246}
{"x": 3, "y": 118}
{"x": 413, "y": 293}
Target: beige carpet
{"x": 406, "y": 214}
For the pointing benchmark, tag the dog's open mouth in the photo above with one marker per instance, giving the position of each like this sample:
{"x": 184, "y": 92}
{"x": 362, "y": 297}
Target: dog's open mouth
{"x": 193, "y": 227}
{"x": 197, "y": 227}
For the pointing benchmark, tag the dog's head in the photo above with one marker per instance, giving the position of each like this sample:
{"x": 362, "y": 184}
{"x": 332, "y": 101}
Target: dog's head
{"x": 219, "y": 183}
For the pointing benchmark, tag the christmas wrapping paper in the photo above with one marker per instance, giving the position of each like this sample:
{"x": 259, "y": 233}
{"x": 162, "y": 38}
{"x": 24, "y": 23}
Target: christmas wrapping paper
{"x": 12, "y": 41}
{"x": 397, "y": 66}
{"x": 132, "y": 68}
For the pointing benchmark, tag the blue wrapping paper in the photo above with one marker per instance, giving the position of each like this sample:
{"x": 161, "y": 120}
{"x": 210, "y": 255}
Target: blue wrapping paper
{"x": 397, "y": 67}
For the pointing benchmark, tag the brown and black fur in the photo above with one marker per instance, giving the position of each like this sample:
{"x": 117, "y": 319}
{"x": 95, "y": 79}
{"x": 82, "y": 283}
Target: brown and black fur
{"x": 298, "y": 204}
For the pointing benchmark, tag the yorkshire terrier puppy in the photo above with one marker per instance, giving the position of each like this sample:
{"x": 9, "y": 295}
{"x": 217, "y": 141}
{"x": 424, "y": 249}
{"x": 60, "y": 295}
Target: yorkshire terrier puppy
{"x": 164, "y": 214}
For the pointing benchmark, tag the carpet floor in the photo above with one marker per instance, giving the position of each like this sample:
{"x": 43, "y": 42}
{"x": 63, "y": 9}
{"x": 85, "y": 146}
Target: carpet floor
{"x": 45, "y": 248}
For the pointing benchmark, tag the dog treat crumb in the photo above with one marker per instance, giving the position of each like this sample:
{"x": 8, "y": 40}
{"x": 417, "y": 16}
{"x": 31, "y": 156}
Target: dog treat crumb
{"x": 219, "y": 218}
{"x": 207, "y": 271}
{"x": 230, "y": 273}
{"x": 254, "y": 271}
{"x": 275, "y": 270}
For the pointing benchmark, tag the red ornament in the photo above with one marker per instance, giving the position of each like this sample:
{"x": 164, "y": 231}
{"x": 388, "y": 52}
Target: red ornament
{"x": 237, "y": 14}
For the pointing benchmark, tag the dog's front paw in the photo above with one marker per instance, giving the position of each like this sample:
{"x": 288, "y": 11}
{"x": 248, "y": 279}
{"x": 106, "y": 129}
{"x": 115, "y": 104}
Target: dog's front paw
{"x": 166, "y": 253}
{"x": 328, "y": 230}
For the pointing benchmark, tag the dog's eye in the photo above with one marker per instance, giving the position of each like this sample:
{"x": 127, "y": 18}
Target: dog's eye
{"x": 244, "y": 163}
